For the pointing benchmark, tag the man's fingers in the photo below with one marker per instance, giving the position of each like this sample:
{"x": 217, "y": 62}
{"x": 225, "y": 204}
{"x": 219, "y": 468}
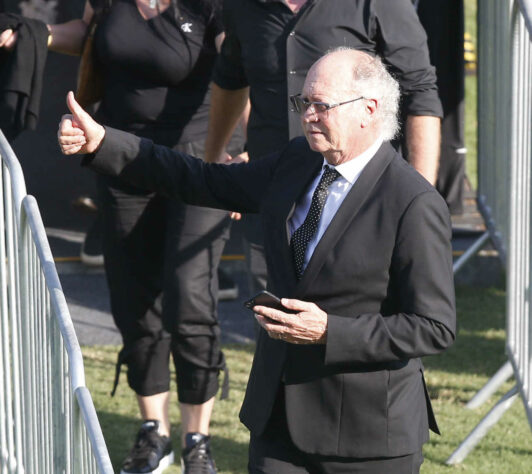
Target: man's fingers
{"x": 8, "y": 38}
{"x": 242, "y": 158}
{"x": 224, "y": 158}
{"x": 269, "y": 324}
{"x": 271, "y": 313}
{"x": 94, "y": 133}
{"x": 70, "y": 149}
{"x": 11, "y": 41}
{"x": 70, "y": 137}
{"x": 68, "y": 127}
{"x": 297, "y": 305}
{"x": 236, "y": 216}
{"x": 4, "y": 36}
{"x": 80, "y": 116}
{"x": 71, "y": 140}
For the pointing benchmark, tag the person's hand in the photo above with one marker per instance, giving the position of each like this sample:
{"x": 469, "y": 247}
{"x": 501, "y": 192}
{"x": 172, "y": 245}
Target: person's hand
{"x": 307, "y": 326}
{"x": 8, "y": 38}
{"x": 227, "y": 159}
{"x": 224, "y": 158}
{"x": 241, "y": 158}
{"x": 78, "y": 132}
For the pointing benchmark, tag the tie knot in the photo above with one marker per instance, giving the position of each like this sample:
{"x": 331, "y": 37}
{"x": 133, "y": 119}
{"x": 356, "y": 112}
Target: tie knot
{"x": 328, "y": 177}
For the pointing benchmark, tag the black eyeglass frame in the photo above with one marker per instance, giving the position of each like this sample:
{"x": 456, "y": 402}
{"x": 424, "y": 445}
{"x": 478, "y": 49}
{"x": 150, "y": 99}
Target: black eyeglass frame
{"x": 301, "y": 105}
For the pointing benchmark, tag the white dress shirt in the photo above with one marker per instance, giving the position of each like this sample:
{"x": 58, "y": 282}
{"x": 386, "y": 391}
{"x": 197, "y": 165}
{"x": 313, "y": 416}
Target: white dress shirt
{"x": 349, "y": 173}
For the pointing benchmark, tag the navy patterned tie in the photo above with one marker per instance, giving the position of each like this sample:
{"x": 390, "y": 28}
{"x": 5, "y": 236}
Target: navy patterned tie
{"x": 303, "y": 235}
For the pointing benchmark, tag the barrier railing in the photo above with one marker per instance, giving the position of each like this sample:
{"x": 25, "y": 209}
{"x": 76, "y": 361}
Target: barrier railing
{"x": 48, "y": 423}
{"x": 519, "y": 327}
{"x": 505, "y": 190}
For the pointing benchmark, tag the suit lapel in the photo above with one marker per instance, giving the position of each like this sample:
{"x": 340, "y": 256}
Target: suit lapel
{"x": 350, "y": 207}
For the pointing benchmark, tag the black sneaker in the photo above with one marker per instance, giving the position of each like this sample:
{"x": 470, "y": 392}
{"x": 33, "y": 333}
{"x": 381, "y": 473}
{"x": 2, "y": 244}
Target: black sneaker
{"x": 152, "y": 452}
{"x": 196, "y": 458}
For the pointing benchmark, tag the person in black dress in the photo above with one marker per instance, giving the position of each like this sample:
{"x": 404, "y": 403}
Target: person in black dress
{"x": 161, "y": 256}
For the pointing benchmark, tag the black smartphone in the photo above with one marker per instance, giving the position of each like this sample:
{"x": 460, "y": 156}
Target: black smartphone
{"x": 265, "y": 298}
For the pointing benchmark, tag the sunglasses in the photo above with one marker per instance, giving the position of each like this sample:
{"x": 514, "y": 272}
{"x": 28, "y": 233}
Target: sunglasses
{"x": 300, "y": 104}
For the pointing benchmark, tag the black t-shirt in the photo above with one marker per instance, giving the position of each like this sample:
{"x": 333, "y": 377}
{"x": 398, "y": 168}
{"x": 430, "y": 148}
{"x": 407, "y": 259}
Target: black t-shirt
{"x": 270, "y": 49}
{"x": 157, "y": 71}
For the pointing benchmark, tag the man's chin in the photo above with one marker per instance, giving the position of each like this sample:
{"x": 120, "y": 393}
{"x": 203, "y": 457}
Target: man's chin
{"x": 316, "y": 143}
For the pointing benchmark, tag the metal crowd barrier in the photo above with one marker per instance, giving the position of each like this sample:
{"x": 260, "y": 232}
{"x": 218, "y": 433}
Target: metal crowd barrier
{"x": 505, "y": 190}
{"x": 48, "y": 423}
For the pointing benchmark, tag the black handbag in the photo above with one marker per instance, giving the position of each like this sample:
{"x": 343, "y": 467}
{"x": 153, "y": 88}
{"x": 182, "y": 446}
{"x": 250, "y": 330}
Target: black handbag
{"x": 90, "y": 79}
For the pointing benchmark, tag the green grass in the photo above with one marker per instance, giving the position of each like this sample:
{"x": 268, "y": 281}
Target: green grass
{"x": 453, "y": 378}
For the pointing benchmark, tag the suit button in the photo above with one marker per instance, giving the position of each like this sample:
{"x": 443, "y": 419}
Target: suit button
{"x": 292, "y": 33}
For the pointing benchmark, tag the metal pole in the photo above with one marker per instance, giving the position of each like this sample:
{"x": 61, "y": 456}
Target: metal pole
{"x": 501, "y": 376}
{"x": 483, "y": 427}
{"x": 471, "y": 251}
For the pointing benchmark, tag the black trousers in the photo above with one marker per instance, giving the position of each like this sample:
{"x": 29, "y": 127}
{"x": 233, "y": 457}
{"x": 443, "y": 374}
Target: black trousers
{"x": 273, "y": 452}
{"x": 443, "y": 21}
{"x": 161, "y": 260}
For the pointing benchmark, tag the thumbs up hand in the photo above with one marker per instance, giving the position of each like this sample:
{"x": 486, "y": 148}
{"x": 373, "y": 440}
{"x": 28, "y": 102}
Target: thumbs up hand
{"x": 78, "y": 132}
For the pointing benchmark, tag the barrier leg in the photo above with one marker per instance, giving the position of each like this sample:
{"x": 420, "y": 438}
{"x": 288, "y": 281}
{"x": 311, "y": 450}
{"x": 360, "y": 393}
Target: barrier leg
{"x": 470, "y": 252}
{"x": 483, "y": 427}
{"x": 501, "y": 376}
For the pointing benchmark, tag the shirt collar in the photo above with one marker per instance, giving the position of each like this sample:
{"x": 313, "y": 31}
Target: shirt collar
{"x": 350, "y": 170}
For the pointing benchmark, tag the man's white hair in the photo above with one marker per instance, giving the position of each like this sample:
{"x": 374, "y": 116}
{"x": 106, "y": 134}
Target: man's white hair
{"x": 372, "y": 80}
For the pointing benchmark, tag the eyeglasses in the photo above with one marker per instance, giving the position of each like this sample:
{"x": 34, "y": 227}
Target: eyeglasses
{"x": 301, "y": 105}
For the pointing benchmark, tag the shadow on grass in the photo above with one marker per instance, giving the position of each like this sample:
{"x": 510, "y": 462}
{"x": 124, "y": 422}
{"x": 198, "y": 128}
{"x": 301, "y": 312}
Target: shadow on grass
{"x": 446, "y": 448}
{"x": 473, "y": 354}
{"x": 119, "y": 432}
{"x": 479, "y": 346}
{"x": 480, "y": 309}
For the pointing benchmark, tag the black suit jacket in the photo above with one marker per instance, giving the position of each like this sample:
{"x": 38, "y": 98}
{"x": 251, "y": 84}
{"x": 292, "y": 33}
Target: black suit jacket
{"x": 382, "y": 271}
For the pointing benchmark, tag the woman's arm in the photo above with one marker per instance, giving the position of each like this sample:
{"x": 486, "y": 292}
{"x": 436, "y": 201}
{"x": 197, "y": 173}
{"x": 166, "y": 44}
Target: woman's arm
{"x": 66, "y": 38}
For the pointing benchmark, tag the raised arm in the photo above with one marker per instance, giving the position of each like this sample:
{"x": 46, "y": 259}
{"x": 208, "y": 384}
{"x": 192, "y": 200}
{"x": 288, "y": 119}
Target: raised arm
{"x": 140, "y": 162}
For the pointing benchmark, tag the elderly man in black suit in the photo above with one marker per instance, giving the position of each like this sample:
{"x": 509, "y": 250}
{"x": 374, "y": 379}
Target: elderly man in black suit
{"x": 357, "y": 246}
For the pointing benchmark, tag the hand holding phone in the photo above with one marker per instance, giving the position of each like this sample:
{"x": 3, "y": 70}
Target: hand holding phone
{"x": 265, "y": 298}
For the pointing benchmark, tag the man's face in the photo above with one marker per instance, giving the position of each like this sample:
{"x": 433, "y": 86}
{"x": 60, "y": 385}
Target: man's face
{"x": 336, "y": 133}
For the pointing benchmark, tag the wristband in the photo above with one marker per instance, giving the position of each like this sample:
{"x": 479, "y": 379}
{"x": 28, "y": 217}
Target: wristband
{"x": 49, "y": 41}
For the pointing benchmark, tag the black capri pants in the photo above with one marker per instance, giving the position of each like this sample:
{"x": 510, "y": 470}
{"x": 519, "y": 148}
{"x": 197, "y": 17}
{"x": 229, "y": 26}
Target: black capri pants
{"x": 161, "y": 261}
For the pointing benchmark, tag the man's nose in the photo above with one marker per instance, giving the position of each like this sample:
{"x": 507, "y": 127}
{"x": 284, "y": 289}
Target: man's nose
{"x": 310, "y": 114}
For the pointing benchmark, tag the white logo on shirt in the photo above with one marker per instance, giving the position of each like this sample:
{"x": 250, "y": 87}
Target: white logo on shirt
{"x": 187, "y": 27}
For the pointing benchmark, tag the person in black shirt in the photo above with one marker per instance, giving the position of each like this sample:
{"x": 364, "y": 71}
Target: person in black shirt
{"x": 161, "y": 256}
{"x": 268, "y": 48}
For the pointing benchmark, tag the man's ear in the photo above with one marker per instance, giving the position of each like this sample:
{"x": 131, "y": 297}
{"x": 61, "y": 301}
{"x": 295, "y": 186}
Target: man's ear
{"x": 370, "y": 107}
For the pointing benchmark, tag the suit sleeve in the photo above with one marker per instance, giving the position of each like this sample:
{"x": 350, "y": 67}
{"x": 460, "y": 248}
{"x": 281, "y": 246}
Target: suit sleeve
{"x": 421, "y": 279}
{"x": 402, "y": 43}
{"x": 138, "y": 161}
